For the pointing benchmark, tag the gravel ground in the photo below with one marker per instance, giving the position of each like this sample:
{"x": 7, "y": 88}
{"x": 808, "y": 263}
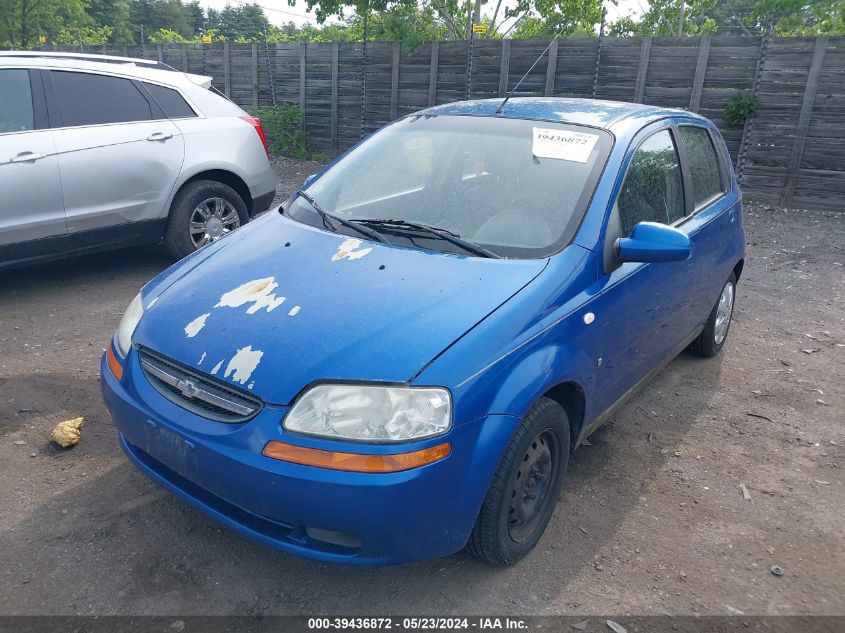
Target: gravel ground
{"x": 291, "y": 173}
{"x": 652, "y": 519}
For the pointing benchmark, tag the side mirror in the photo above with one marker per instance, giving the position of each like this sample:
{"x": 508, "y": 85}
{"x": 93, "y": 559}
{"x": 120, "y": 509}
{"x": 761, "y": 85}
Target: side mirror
{"x": 309, "y": 180}
{"x": 651, "y": 242}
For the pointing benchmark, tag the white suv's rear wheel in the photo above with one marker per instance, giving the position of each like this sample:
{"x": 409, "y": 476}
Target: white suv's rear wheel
{"x": 203, "y": 211}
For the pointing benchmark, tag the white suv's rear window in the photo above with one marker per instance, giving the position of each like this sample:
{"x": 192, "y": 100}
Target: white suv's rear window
{"x": 174, "y": 106}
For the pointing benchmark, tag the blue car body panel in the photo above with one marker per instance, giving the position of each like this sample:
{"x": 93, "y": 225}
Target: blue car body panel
{"x": 497, "y": 333}
{"x": 395, "y": 313}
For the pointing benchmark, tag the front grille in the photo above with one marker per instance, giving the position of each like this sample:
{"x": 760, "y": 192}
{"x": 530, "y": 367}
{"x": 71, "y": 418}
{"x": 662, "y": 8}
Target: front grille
{"x": 196, "y": 392}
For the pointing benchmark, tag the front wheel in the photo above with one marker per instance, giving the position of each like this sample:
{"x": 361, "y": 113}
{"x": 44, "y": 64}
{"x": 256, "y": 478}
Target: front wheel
{"x": 203, "y": 211}
{"x": 525, "y": 487}
{"x": 715, "y": 332}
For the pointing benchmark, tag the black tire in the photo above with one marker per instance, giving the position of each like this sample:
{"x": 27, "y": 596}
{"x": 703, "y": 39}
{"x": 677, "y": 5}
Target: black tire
{"x": 494, "y": 537}
{"x": 706, "y": 344}
{"x": 178, "y": 238}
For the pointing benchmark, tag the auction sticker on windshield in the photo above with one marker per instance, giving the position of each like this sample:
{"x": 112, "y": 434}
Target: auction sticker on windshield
{"x": 563, "y": 144}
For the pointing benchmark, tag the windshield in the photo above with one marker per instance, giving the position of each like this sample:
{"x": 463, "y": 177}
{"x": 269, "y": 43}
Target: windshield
{"x": 513, "y": 187}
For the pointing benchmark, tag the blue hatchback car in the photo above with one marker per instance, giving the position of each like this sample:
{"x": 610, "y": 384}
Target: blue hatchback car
{"x": 397, "y": 362}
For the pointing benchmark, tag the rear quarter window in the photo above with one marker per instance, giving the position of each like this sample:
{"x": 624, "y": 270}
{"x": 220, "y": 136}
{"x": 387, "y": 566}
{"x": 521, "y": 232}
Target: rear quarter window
{"x": 174, "y": 106}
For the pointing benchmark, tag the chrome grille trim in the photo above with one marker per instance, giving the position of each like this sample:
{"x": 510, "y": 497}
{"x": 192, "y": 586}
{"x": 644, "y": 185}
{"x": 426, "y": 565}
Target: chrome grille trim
{"x": 196, "y": 392}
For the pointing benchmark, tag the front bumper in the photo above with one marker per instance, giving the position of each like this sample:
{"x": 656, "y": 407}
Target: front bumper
{"x": 400, "y": 517}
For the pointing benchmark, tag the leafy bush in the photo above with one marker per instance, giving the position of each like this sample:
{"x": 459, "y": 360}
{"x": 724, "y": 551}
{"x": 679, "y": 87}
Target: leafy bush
{"x": 740, "y": 107}
{"x": 282, "y": 127}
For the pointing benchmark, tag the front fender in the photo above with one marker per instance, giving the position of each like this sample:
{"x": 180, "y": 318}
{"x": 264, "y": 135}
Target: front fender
{"x": 532, "y": 343}
{"x": 524, "y": 381}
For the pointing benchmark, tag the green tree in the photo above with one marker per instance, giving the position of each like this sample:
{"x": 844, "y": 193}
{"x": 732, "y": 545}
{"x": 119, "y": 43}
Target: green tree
{"x": 114, "y": 14}
{"x": 166, "y": 36}
{"x": 663, "y": 18}
{"x": 246, "y": 22}
{"x": 406, "y": 23}
{"x": 23, "y": 21}
{"x": 546, "y": 18}
{"x": 797, "y": 18}
{"x": 195, "y": 16}
{"x": 87, "y": 36}
{"x": 153, "y": 15}
{"x": 700, "y": 17}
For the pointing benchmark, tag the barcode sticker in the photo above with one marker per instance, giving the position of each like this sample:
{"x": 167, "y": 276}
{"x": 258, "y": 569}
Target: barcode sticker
{"x": 563, "y": 144}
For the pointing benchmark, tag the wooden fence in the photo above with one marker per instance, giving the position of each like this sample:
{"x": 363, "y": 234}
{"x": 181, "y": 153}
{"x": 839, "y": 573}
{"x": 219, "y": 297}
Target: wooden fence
{"x": 791, "y": 154}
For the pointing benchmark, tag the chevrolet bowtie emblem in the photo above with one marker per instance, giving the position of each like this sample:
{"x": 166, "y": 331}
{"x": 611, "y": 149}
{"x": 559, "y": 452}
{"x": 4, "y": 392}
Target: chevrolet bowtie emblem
{"x": 187, "y": 388}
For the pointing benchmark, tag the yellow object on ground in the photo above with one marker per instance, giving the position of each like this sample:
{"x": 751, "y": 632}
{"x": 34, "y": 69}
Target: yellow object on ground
{"x": 66, "y": 434}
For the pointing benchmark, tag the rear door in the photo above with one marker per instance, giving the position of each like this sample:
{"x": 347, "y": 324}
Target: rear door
{"x": 119, "y": 154}
{"x": 712, "y": 227}
{"x": 32, "y": 219}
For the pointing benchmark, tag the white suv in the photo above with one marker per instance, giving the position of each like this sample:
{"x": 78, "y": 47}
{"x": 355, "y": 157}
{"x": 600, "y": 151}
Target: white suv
{"x": 99, "y": 152}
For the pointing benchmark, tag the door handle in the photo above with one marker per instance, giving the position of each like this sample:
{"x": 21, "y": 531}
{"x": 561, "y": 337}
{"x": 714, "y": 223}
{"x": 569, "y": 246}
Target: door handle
{"x": 26, "y": 157}
{"x": 159, "y": 136}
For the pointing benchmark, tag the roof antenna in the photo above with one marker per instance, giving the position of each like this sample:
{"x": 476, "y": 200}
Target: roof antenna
{"x": 501, "y": 107}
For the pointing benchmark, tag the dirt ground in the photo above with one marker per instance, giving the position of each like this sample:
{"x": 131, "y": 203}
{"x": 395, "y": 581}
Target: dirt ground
{"x": 652, "y": 519}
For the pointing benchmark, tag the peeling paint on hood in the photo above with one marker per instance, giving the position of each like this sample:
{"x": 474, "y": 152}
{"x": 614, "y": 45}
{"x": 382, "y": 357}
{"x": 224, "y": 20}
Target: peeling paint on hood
{"x": 193, "y": 328}
{"x": 349, "y": 250}
{"x": 258, "y": 292}
{"x": 242, "y": 364}
{"x": 381, "y": 320}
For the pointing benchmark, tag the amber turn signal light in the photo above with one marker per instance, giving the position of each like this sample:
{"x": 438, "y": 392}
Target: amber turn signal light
{"x": 114, "y": 364}
{"x": 356, "y": 462}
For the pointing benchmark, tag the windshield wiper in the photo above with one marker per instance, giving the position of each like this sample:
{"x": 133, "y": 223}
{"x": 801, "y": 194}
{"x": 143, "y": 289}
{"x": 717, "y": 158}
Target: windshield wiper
{"x": 443, "y": 234}
{"x": 329, "y": 219}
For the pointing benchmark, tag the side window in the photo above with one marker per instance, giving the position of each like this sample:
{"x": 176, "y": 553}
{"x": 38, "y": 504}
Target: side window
{"x": 704, "y": 164}
{"x": 174, "y": 106}
{"x": 653, "y": 190}
{"x": 96, "y": 99}
{"x": 16, "y": 113}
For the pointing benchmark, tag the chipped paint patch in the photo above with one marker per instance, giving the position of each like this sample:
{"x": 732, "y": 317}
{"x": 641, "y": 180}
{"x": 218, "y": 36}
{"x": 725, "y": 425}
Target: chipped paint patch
{"x": 243, "y": 363}
{"x": 258, "y": 292}
{"x": 251, "y": 385}
{"x": 347, "y": 250}
{"x": 202, "y": 358}
{"x": 294, "y": 310}
{"x": 193, "y": 328}
{"x": 216, "y": 368}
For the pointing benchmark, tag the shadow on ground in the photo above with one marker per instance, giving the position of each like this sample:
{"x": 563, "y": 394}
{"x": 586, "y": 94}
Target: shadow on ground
{"x": 116, "y": 543}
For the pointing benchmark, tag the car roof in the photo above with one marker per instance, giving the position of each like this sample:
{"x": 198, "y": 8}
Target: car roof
{"x": 597, "y": 113}
{"x": 107, "y": 64}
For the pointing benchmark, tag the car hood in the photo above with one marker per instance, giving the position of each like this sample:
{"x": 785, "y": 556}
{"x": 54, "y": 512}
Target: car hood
{"x": 282, "y": 305}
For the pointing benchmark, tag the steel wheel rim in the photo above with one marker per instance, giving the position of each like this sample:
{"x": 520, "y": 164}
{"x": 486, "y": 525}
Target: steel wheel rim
{"x": 724, "y": 310}
{"x": 212, "y": 219}
{"x": 530, "y": 493}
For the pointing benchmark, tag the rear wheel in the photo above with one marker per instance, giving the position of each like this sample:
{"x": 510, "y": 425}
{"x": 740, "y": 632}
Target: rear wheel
{"x": 202, "y": 212}
{"x": 715, "y": 332}
{"x": 525, "y": 488}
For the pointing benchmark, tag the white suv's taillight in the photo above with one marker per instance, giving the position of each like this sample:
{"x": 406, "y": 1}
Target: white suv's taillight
{"x": 255, "y": 122}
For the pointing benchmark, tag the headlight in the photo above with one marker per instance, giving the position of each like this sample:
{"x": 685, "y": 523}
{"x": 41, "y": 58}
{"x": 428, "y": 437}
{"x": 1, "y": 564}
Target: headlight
{"x": 123, "y": 335}
{"x": 371, "y": 413}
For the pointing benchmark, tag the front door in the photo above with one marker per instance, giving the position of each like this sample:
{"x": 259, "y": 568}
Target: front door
{"x": 657, "y": 298}
{"x": 32, "y": 219}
